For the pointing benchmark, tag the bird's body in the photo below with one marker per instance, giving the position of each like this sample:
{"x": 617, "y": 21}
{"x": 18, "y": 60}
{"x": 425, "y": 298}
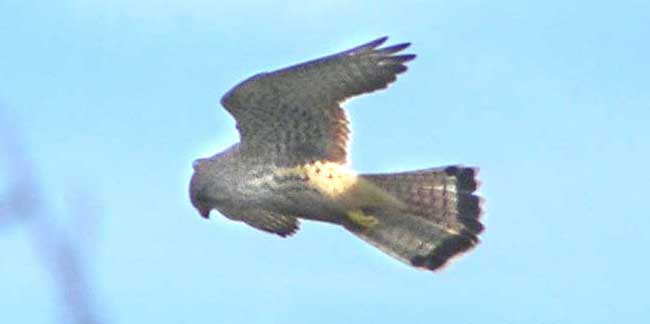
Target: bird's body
{"x": 291, "y": 164}
{"x": 315, "y": 191}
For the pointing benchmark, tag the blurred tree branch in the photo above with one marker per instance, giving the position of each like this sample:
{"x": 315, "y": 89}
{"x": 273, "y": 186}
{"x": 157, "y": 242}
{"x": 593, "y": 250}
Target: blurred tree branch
{"x": 61, "y": 254}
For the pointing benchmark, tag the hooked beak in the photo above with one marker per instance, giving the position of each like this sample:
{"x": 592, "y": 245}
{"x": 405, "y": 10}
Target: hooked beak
{"x": 195, "y": 193}
{"x": 204, "y": 211}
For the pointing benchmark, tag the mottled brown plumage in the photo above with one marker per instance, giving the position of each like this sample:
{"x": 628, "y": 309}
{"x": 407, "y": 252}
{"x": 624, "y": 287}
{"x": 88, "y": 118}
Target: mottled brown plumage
{"x": 292, "y": 116}
{"x": 290, "y": 164}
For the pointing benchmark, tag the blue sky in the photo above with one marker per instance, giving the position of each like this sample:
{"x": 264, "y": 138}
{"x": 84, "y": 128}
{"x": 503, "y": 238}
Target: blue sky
{"x": 550, "y": 99}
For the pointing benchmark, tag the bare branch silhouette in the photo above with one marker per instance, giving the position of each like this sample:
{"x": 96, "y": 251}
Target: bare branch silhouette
{"x": 60, "y": 252}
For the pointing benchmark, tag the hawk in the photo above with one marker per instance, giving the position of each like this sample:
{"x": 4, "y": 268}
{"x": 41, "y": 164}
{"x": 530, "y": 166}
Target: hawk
{"x": 290, "y": 164}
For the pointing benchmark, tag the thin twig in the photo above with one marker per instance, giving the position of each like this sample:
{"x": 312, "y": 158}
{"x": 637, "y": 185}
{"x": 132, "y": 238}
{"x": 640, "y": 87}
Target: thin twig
{"x": 59, "y": 252}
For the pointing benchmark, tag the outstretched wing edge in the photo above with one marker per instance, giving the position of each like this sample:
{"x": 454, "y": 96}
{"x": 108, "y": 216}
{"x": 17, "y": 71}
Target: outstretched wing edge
{"x": 292, "y": 116}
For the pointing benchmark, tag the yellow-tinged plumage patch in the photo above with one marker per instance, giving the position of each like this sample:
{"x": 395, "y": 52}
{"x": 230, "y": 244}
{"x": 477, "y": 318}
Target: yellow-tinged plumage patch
{"x": 362, "y": 219}
{"x": 332, "y": 179}
{"x": 337, "y": 182}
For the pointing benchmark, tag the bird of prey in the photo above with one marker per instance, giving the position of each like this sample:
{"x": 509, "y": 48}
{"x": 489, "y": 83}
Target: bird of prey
{"x": 290, "y": 164}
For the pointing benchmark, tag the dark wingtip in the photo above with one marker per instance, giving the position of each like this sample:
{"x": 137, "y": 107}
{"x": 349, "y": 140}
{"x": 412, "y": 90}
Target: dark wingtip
{"x": 290, "y": 232}
{"x": 393, "y": 49}
{"x": 368, "y": 46}
{"x": 403, "y": 58}
{"x": 378, "y": 41}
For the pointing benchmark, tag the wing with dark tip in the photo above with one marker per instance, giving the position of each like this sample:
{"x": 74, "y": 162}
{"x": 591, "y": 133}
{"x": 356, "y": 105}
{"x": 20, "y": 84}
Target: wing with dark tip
{"x": 292, "y": 116}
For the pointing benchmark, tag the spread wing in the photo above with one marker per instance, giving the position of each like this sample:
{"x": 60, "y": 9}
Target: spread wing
{"x": 292, "y": 116}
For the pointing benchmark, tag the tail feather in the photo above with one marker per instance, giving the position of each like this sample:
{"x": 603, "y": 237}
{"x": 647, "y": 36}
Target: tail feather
{"x": 441, "y": 218}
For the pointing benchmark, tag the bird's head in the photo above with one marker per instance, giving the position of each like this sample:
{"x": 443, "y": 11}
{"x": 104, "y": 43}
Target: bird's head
{"x": 200, "y": 188}
{"x": 210, "y": 186}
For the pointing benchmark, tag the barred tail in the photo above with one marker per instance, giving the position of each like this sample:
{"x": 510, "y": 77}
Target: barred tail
{"x": 440, "y": 220}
